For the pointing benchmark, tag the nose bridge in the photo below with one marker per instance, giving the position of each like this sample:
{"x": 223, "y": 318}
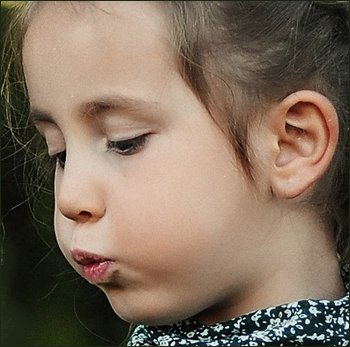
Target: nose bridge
{"x": 79, "y": 189}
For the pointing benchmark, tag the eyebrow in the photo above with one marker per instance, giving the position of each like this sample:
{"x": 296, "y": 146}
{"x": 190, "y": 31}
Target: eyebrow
{"x": 101, "y": 105}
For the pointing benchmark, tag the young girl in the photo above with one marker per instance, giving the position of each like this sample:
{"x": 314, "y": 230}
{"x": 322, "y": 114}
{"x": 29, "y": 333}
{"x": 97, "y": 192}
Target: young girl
{"x": 201, "y": 162}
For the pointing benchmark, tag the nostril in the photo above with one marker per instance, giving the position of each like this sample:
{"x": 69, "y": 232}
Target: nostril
{"x": 84, "y": 216}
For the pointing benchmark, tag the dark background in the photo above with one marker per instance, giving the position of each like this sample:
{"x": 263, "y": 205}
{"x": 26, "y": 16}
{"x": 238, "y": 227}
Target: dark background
{"x": 43, "y": 301}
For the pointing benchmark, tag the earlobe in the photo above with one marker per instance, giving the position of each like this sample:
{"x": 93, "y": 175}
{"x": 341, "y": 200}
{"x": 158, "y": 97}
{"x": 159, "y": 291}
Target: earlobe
{"x": 306, "y": 132}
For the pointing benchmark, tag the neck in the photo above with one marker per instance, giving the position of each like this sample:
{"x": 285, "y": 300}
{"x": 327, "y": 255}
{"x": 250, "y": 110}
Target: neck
{"x": 298, "y": 263}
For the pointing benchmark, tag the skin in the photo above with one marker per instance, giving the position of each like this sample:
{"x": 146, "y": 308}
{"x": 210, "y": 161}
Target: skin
{"x": 187, "y": 233}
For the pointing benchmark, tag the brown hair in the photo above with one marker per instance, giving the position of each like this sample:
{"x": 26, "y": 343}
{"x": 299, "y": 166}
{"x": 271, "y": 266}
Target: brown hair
{"x": 240, "y": 56}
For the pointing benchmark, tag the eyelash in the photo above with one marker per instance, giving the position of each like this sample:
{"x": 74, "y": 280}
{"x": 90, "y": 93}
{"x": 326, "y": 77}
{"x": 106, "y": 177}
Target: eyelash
{"x": 124, "y": 147}
{"x": 129, "y": 146}
{"x": 58, "y": 159}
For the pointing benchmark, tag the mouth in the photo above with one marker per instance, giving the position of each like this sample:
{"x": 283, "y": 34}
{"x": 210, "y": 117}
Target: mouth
{"x": 95, "y": 268}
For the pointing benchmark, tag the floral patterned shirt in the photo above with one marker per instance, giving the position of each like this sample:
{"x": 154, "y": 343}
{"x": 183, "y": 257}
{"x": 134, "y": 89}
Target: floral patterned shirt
{"x": 305, "y": 322}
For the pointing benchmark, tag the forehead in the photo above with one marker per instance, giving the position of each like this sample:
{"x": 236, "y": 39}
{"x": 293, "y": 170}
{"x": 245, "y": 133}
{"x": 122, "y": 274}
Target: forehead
{"x": 74, "y": 17}
{"x": 85, "y": 39}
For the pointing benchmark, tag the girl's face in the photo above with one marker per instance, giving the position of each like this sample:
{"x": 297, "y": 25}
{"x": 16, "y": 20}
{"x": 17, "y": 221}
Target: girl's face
{"x": 151, "y": 205}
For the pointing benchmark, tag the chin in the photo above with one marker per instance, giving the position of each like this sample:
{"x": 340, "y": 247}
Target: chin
{"x": 138, "y": 313}
{"x": 145, "y": 317}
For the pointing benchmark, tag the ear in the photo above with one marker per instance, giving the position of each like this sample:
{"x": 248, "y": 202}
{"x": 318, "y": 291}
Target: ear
{"x": 305, "y": 129}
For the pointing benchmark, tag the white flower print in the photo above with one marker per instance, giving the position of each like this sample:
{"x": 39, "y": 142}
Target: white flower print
{"x": 314, "y": 311}
{"x": 218, "y": 328}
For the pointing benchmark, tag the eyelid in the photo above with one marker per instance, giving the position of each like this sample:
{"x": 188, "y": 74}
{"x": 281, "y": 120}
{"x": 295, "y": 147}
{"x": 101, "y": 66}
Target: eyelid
{"x": 129, "y": 138}
{"x": 55, "y": 153}
{"x": 136, "y": 144}
{"x": 55, "y": 147}
{"x": 43, "y": 126}
{"x": 52, "y": 135}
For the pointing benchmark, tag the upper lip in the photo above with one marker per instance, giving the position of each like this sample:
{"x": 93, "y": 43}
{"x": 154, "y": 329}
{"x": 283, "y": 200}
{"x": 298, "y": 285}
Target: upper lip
{"x": 85, "y": 258}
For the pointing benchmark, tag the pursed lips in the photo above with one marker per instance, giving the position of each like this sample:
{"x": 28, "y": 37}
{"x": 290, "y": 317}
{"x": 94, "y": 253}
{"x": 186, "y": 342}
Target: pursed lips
{"x": 94, "y": 267}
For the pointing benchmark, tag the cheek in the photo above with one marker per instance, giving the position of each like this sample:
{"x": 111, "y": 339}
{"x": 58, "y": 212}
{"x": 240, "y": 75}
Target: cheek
{"x": 63, "y": 229}
{"x": 178, "y": 222}
{"x": 63, "y": 235}
{"x": 180, "y": 201}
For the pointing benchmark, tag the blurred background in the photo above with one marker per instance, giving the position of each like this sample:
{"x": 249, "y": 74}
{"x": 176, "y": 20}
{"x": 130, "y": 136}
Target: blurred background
{"x": 43, "y": 301}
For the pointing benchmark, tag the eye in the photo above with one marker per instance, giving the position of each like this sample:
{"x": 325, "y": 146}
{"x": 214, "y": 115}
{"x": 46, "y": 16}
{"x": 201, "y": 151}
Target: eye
{"x": 59, "y": 159}
{"x": 129, "y": 146}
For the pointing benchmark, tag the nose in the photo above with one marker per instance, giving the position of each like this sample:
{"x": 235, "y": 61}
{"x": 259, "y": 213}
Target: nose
{"x": 79, "y": 192}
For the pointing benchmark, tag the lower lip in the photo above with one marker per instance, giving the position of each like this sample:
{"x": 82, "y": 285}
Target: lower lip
{"x": 96, "y": 272}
